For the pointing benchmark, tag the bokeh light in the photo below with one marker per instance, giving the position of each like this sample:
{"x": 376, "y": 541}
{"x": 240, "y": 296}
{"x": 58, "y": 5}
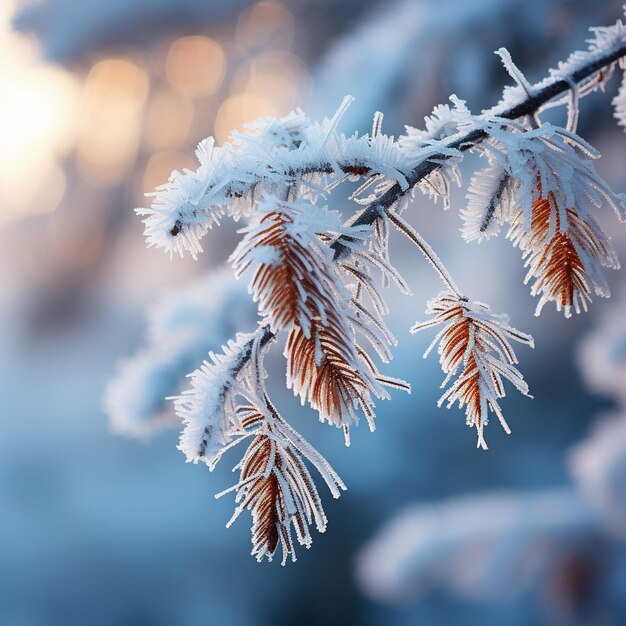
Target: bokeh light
{"x": 162, "y": 164}
{"x": 276, "y": 76}
{"x": 36, "y": 126}
{"x": 237, "y": 111}
{"x": 265, "y": 23}
{"x": 114, "y": 95}
{"x": 195, "y": 66}
{"x": 168, "y": 120}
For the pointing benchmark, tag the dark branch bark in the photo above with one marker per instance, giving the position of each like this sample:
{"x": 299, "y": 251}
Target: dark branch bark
{"x": 528, "y": 106}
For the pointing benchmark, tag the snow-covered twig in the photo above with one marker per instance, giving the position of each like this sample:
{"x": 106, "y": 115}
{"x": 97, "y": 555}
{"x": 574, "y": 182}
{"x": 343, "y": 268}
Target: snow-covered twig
{"x": 582, "y": 69}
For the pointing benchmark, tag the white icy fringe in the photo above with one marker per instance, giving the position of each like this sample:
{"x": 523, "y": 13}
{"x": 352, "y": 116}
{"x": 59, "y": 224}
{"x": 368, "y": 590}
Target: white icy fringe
{"x": 548, "y": 154}
{"x": 605, "y": 41}
{"x": 270, "y": 153}
{"x": 490, "y": 202}
{"x": 443, "y": 126}
{"x": 481, "y": 547}
{"x": 298, "y": 503}
{"x": 544, "y": 160}
{"x": 182, "y": 329}
{"x": 619, "y": 104}
{"x": 476, "y": 340}
{"x": 208, "y": 408}
{"x": 599, "y": 466}
{"x": 442, "y": 123}
{"x": 526, "y": 167}
{"x": 548, "y": 160}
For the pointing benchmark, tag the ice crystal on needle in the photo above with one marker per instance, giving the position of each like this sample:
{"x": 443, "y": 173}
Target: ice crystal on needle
{"x": 542, "y": 183}
{"x": 475, "y": 341}
{"x": 481, "y": 547}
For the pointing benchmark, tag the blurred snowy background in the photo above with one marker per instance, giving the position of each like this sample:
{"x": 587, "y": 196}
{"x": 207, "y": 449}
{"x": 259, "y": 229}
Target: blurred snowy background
{"x": 100, "y": 100}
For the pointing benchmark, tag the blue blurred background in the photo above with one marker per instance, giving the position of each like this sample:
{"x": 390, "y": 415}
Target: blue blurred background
{"x": 101, "y": 100}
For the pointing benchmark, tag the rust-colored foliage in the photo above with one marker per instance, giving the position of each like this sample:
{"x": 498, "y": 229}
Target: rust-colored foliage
{"x": 458, "y": 347}
{"x": 276, "y": 487}
{"x": 320, "y": 371}
{"x": 298, "y": 290}
{"x": 476, "y": 342}
{"x": 283, "y": 287}
{"x": 315, "y": 273}
{"x": 264, "y": 497}
{"x": 563, "y": 255}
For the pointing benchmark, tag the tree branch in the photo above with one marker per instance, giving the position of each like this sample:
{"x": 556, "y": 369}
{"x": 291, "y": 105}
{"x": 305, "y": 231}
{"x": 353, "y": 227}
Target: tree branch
{"x": 527, "y": 107}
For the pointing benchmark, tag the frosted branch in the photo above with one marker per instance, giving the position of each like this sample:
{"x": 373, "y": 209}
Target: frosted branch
{"x": 580, "y": 70}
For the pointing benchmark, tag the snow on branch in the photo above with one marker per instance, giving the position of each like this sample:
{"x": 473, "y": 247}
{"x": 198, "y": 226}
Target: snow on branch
{"x": 317, "y": 276}
{"x": 602, "y": 354}
{"x": 480, "y": 547}
{"x": 588, "y": 70}
{"x": 598, "y": 462}
{"x": 182, "y": 329}
{"x": 598, "y": 465}
{"x": 271, "y": 153}
{"x": 208, "y": 409}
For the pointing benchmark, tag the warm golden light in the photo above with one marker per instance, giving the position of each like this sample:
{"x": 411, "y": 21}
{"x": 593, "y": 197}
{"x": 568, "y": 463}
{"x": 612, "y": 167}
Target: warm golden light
{"x": 276, "y": 76}
{"x": 282, "y": 93}
{"x": 116, "y": 83}
{"x": 168, "y": 120}
{"x": 114, "y": 96}
{"x": 239, "y": 110}
{"x": 40, "y": 194}
{"x": 265, "y": 23}
{"x": 284, "y": 64}
{"x": 195, "y": 66}
{"x": 162, "y": 164}
{"x": 37, "y": 111}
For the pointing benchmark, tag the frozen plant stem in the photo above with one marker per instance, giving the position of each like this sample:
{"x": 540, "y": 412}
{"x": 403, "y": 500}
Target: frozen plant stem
{"x": 424, "y": 247}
